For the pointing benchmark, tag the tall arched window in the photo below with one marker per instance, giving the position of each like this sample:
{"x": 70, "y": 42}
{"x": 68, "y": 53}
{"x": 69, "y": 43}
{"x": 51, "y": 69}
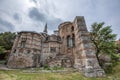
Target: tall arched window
{"x": 72, "y": 28}
{"x": 69, "y": 41}
{"x": 73, "y": 40}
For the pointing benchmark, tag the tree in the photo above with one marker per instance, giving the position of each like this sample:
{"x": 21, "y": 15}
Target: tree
{"x": 7, "y": 39}
{"x": 104, "y": 41}
{"x": 1, "y": 50}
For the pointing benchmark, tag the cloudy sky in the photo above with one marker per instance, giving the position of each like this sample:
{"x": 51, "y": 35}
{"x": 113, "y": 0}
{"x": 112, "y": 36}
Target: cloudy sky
{"x": 32, "y": 15}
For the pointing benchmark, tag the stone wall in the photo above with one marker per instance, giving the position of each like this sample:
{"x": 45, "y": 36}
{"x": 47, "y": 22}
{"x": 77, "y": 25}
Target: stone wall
{"x": 66, "y": 32}
{"x": 26, "y": 50}
{"x": 82, "y": 52}
{"x": 51, "y": 47}
{"x": 85, "y": 58}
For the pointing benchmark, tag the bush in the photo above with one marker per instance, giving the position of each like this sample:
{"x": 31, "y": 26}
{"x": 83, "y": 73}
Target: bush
{"x": 46, "y": 67}
{"x": 57, "y": 68}
{"x": 1, "y": 50}
{"x": 108, "y": 68}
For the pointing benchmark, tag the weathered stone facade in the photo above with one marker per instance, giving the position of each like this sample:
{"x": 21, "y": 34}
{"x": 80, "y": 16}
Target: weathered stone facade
{"x": 70, "y": 46}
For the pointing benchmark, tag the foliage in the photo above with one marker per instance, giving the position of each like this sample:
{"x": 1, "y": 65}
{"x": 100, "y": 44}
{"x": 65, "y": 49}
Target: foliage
{"x": 1, "y": 50}
{"x": 46, "y": 67}
{"x": 57, "y": 68}
{"x": 104, "y": 41}
{"x": 7, "y": 39}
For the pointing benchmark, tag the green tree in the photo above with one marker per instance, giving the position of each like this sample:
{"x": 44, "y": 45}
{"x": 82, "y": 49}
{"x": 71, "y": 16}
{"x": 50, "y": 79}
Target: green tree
{"x": 104, "y": 41}
{"x": 7, "y": 39}
{"x": 1, "y": 50}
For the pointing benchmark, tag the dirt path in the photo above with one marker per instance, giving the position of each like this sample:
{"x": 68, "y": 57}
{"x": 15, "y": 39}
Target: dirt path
{"x": 3, "y": 67}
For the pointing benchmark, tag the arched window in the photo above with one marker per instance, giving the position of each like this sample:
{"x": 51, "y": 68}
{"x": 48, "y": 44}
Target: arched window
{"x": 14, "y": 51}
{"x": 23, "y": 44}
{"x": 52, "y": 49}
{"x": 69, "y": 41}
{"x": 73, "y": 40}
{"x": 72, "y": 28}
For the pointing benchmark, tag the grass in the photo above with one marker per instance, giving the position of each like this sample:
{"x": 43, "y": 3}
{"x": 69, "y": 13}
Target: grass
{"x": 20, "y": 75}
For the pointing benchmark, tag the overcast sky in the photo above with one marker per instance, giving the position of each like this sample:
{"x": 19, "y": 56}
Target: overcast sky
{"x": 32, "y": 15}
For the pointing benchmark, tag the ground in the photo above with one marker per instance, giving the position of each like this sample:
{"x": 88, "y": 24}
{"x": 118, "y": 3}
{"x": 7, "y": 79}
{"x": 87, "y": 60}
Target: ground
{"x": 29, "y": 74}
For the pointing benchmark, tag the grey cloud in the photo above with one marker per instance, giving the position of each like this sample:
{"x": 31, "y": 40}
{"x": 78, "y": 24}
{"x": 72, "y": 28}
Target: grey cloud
{"x": 16, "y": 16}
{"x": 52, "y": 21}
{"x": 36, "y": 15}
{"x": 53, "y": 24}
{"x": 1, "y": 1}
{"x": 34, "y": 1}
{"x": 6, "y": 26}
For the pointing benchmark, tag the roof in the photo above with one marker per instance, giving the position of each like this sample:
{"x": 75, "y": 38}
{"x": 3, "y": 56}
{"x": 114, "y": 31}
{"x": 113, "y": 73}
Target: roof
{"x": 41, "y": 33}
{"x": 64, "y": 23}
{"x": 53, "y": 38}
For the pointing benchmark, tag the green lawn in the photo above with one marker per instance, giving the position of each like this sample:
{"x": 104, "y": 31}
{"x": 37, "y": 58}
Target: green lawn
{"x": 21, "y": 75}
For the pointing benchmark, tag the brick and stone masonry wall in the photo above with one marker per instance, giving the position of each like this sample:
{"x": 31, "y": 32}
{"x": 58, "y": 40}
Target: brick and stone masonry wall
{"x": 26, "y": 54}
{"x": 85, "y": 58}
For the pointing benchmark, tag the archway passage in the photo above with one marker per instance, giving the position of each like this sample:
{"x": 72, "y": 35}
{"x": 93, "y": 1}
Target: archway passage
{"x": 36, "y": 59}
{"x": 66, "y": 62}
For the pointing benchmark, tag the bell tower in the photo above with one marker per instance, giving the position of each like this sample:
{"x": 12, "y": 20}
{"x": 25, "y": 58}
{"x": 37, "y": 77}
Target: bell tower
{"x": 45, "y": 28}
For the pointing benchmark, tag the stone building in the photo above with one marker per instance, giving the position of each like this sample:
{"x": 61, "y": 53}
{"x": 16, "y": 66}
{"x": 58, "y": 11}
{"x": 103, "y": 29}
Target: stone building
{"x": 69, "y": 46}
